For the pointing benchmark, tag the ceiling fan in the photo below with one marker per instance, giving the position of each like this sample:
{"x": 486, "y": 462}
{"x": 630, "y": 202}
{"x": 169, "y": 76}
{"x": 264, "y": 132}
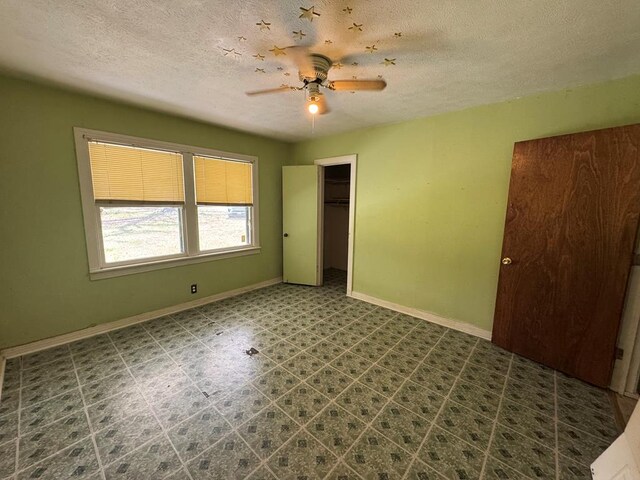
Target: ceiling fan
{"x": 313, "y": 69}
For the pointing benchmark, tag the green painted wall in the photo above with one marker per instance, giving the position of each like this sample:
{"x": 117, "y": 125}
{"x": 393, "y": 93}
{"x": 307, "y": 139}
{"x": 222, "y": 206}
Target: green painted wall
{"x": 429, "y": 218}
{"x": 44, "y": 284}
{"x": 431, "y": 193}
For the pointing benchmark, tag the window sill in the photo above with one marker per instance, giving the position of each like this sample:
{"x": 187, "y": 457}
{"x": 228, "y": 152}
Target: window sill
{"x": 118, "y": 271}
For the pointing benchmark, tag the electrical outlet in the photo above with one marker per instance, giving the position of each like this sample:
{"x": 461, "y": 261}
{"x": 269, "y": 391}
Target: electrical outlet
{"x": 194, "y": 288}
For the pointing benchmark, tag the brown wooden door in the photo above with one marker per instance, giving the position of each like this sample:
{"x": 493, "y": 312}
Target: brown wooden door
{"x": 572, "y": 218}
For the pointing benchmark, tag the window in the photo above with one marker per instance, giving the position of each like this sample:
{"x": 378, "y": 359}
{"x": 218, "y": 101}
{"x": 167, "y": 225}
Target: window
{"x": 223, "y": 195}
{"x": 149, "y": 204}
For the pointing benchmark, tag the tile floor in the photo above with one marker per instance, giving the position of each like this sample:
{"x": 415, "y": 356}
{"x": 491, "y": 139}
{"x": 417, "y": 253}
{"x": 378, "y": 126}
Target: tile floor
{"x": 340, "y": 389}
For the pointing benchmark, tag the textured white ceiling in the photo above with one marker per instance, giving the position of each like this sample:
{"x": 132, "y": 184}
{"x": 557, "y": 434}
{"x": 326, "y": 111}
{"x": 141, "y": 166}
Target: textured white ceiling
{"x": 169, "y": 55}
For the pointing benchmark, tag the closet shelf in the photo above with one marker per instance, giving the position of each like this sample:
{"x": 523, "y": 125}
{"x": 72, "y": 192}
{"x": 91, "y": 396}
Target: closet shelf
{"x": 336, "y": 181}
{"x": 338, "y": 202}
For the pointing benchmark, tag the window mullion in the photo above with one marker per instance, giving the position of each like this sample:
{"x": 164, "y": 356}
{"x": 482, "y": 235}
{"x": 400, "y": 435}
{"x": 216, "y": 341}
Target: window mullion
{"x": 190, "y": 207}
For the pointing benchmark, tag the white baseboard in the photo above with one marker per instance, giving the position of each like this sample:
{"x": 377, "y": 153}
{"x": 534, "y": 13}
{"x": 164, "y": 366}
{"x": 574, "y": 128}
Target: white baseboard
{"x": 38, "y": 345}
{"x": 429, "y": 317}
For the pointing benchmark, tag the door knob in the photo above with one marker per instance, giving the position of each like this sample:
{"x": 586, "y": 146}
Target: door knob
{"x": 506, "y": 261}
{"x": 286, "y": 235}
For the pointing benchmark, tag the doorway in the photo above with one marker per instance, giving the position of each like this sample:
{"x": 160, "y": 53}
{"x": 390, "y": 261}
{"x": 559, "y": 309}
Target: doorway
{"x": 303, "y": 213}
{"x": 336, "y": 214}
{"x": 335, "y": 218}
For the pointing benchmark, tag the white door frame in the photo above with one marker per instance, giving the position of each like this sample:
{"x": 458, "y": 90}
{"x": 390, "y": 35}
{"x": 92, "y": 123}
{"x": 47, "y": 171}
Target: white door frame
{"x": 327, "y": 162}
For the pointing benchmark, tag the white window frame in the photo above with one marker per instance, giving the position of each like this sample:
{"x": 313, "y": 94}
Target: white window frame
{"x": 98, "y": 268}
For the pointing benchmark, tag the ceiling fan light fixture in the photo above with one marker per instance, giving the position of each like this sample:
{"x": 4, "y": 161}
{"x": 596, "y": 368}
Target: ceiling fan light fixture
{"x": 313, "y": 107}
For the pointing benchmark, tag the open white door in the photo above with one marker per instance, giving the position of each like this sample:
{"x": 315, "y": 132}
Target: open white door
{"x": 300, "y": 221}
{"x": 621, "y": 461}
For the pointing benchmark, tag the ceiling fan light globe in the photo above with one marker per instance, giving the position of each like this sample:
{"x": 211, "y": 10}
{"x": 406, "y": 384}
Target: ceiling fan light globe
{"x": 313, "y": 108}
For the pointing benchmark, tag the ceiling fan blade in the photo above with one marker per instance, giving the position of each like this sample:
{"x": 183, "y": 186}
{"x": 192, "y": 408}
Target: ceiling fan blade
{"x": 352, "y": 85}
{"x": 302, "y": 61}
{"x": 322, "y": 105}
{"x": 269, "y": 90}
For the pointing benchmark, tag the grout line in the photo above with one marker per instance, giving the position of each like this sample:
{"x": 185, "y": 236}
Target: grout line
{"x": 140, "y": 447}
{"x": 212, "y": 406}
{"x": 354, "y": 380}
{"x": 589, "y": 408}
{"x": 528, "y": 407}
{"x": 389, "y": 399}
{"x": 264, "y": 461}
{"x": 414, "y": 457}
{"x": 555, "y": 417}
{"x": 57, "y": 451}
{"x": 86, "y": 414}
{"x": 48, "y": 362}
{"x": 587, "y": 433}
{"x": 164, "y": 431}
{"x": 42, "y": 460}
{"x": 495, "y": 421}
{"x": 40, "y": 427}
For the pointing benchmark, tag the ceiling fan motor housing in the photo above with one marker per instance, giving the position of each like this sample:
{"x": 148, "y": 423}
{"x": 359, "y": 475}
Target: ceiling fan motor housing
{"x": 321, "y": 66}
